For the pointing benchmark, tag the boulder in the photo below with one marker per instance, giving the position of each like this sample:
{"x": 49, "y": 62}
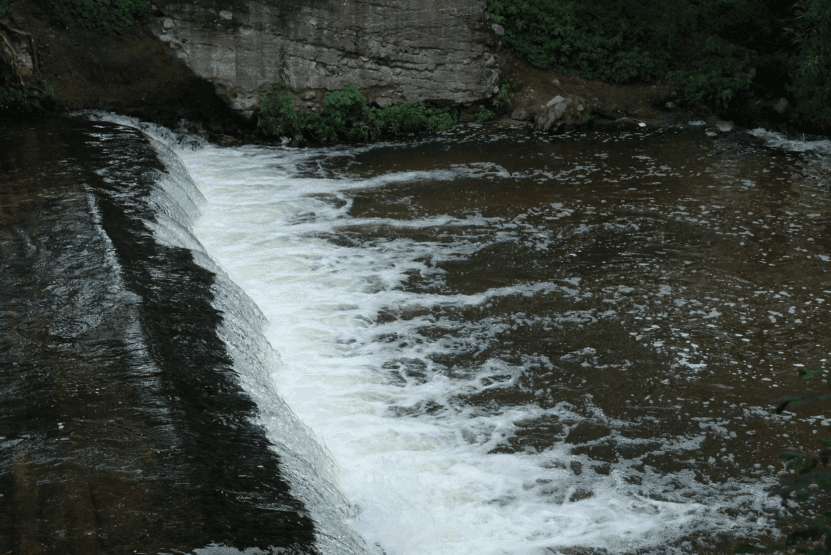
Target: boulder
{"x": 781, "y": 106}
{"x": 556, "y": 100}
{"x": 520, "y": 114}
{"x": 561, "y": 113}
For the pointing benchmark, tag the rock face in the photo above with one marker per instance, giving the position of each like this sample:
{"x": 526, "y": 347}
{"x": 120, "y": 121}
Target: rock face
{"x": 393, "y": 50}
{"x": 19, "y": 61}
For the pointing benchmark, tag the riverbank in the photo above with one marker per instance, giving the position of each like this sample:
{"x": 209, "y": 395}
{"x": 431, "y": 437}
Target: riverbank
{"x": 76, "y": 67}
{"x": 615, "y": 104}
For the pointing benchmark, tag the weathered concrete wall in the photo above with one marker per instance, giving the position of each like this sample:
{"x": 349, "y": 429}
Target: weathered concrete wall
{"x": 393, "y": 50}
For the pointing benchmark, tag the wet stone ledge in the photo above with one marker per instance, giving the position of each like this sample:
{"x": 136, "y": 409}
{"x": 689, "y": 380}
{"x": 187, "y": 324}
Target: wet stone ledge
{"x": 123, "y": 427}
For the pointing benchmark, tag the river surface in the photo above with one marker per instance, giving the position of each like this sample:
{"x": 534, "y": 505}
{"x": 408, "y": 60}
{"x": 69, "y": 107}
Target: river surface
{"x": 489, "y": 343}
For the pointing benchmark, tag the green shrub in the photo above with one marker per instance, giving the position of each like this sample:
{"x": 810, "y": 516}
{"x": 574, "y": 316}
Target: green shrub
{"x": 409, "y": 118}
{"x": 503, "y": 97}
{"x": 277, "y": 114}
{"x": 111, "y": 16}
{"x": 714, "y": 82}
{"x": 11, "y": 96}
{"x": 347, "y": 115}
{"x": 610, "y": 40}
{"x": 500, "y": 102}
{"x": 624, "y": 40}
{"x": 811, "y": 64}
{"x": 5, "y": 8}
{"x": 483, "y": 115}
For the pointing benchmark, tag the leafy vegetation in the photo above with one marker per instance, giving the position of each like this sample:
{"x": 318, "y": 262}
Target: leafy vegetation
{"x": 714, "y": 82}
{"x": 11, "y": 97}
{"x": 609, "y": 40}
{"x": 483, "y": 115}
{"x": 811, "y": 65}
{"x": 347, "y": 115}
{"x": 110, "y": 16}
{"x": 5, "y": 8}
{"x": 501, "y": 101}
{"x": 649, "y": 40}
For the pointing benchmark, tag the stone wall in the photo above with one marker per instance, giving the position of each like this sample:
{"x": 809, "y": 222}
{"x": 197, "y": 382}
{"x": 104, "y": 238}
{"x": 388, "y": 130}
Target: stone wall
{"x": 393, "y": 50}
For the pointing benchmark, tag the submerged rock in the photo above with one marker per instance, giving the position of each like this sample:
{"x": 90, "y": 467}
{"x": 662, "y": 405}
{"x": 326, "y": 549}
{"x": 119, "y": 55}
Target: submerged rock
{"x": 586, "y": 431}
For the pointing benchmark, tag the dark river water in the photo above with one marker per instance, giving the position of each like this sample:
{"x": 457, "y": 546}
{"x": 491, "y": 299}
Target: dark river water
{"x": 479, "y": 343}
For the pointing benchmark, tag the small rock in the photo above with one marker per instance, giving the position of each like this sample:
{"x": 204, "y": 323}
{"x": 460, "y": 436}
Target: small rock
{"x": 780, "y": 106}
{"x": 586, "y": 431}
{"x": 711, "y": 133}
{"x": 227, "y": 141}
{"x": 670, "y": 106}
{"x": 520, "y": 114}
{"x": 579, "y": 495}
{"x": 168, "y": 23}
{"x": 498, "y": 29}
{"x": 226, "y": 15}
{"x": 556, "y": 82}
{"x": 604, "y": 469}
{"x": 725, "y": 126}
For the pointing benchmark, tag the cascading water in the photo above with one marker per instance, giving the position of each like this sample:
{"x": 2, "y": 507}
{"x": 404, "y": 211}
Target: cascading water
{"x": 511, "y": 345}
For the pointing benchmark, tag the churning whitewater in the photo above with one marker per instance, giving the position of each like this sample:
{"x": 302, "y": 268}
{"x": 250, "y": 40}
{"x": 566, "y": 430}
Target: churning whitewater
{"x": 486, "y": 359}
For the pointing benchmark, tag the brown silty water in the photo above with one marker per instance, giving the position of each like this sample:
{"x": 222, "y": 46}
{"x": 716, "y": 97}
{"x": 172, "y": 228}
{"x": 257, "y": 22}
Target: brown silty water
{"x": 690, "y": 310}
{"x": 633, "y": 324}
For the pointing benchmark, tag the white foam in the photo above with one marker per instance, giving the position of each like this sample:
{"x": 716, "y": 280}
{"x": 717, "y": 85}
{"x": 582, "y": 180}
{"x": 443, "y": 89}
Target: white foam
{"x": 307, "y": 466}
{"x": 777, "y": 140}
{"x": 424, "y": 483}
